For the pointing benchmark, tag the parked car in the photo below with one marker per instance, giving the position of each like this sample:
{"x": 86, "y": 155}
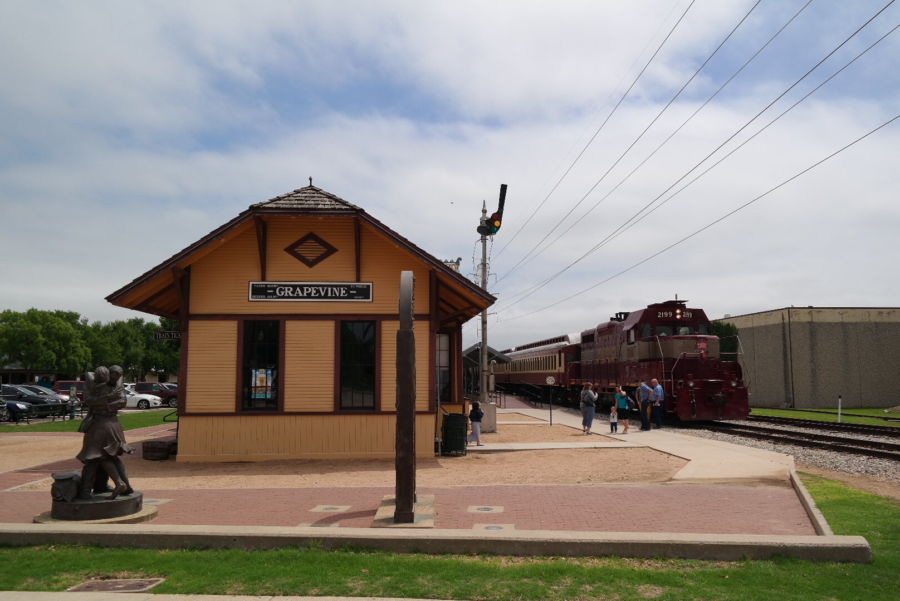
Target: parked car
{"x": 141, "y": 401}
{"x": 15, "y": 411}
{"x": 168, "y": 395}
{"x": 47, "y": 392}
{"x": 63, "y": 387}
{"x": 41, "y": 406}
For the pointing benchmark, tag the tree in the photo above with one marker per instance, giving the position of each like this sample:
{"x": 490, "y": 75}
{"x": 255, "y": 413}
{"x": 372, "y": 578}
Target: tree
{"x": 163, "y": 355}
{"x": 63, "y": 342}
{"x": 44, "y": 340}
{"x": 728, "y": 342}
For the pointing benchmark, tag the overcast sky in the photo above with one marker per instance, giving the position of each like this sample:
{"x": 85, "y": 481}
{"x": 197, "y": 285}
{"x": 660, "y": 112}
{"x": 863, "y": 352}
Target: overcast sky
{"x": 129, "y": 130}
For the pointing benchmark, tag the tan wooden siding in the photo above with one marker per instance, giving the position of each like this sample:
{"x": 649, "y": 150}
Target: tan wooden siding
{"x": 382, "y": 263}
{"x": 220, "y": 279}
{"x": 424, "y": 350}
{"x": 336, "y": 231}
{"x": 212, "y": 365}
{"x": 260, "y": 438}
{"x": 389, "y": 365}
{"x": 309, "y": 366}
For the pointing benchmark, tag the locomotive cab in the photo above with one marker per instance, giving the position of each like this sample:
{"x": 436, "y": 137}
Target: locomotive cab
{"x": 675, "y": 344}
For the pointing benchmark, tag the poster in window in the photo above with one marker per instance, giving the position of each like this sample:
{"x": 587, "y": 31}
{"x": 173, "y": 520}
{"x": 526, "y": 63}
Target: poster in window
{"x": 262, "y": 383}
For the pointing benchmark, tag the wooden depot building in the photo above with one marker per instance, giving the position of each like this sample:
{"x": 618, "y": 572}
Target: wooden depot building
{"x": 289, "y": 314}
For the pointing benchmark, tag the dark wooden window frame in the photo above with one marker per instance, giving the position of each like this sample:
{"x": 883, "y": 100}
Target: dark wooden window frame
{"x": 239, "y": 393}
{"x": 337, "y": 365}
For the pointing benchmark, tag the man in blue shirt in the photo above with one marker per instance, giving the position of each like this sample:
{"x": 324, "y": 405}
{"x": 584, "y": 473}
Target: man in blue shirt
{"x": 659, "y": 402}
{"x": 646, "y": 392}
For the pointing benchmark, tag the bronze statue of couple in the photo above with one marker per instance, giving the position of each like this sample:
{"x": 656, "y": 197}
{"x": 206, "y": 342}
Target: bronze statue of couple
{"x": 104, "y": 439}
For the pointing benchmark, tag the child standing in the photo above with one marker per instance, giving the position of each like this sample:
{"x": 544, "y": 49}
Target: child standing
{"x": 613, "y": 420}
{"x": 475, "y": 416}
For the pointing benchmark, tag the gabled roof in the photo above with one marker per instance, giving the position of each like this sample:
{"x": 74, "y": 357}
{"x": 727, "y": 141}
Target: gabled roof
{"x": 473, "y": 354}
{"x": 157, "y": 291}
{"x": 309, "y": 198}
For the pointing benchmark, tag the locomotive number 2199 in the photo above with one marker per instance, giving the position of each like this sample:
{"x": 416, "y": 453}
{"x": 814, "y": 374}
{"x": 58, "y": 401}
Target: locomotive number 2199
{"x": 671, "y": 314}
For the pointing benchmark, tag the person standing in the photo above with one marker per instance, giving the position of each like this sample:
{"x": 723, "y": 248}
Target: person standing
{"x": 622, "y": 406}
{"x": 659, "y": 402}
{"x": 645, "y": 392}
{"x": 475, "y": 416}
{"x": 588, "y": 404}
{"x": 613, "y": 419}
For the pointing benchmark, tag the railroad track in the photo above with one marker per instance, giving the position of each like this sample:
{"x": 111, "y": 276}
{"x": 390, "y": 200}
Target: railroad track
{"x": 886, "y": 431}
{"x": 840, "y": 444}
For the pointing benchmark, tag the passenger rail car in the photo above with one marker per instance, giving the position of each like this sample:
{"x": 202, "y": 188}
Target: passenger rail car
{"x": 667, "y": 341}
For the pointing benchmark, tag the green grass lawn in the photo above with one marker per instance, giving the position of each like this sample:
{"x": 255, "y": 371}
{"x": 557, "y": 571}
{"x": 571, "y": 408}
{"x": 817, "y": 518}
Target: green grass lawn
{"x": 831, "y": 416}
{"x": 313, "y": 571}
{"x": 129, "y": 421}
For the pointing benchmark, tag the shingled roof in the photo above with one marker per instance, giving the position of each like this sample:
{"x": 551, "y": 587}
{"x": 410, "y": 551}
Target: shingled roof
{"x": 309, "y": 198}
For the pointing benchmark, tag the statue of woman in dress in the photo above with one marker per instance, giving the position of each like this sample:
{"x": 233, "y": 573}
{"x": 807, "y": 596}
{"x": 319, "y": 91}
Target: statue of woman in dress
{"x": 104, "y": 439}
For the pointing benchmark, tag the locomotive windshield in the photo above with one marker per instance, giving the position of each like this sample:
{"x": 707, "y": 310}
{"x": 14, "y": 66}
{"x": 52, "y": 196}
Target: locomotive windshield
{"x": 648, "y": 330}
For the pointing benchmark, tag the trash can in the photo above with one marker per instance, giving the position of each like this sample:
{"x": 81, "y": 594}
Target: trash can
{"x": 156, "y": 450}
{"x": 454, "y": 433}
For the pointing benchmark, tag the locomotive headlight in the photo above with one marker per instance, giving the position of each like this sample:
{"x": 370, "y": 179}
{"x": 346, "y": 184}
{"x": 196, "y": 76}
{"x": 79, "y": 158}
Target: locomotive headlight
{"x": 734, "y": 383}
{"x": 690, "y": 383}
{"x": 677, "y": 313}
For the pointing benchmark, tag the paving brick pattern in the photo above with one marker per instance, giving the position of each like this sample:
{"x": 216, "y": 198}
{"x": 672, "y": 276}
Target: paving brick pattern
{"x": 699, "y": 508}
{"x": 668, "y": 507}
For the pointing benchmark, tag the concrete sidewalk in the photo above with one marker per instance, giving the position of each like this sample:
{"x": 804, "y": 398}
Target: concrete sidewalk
{"x": 709, "y": 460}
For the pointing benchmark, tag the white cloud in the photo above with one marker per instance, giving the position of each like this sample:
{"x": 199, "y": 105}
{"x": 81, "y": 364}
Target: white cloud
{"x": 131, "y": 130}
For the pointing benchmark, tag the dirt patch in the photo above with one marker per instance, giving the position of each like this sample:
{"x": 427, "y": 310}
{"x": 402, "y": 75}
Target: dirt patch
{"x": 558, "y": 466}
{"x": 878, "y": 487}
{"x": 18, "y": 452}
{"x": 540, "y": 433}
{"x": 517, "y": 417}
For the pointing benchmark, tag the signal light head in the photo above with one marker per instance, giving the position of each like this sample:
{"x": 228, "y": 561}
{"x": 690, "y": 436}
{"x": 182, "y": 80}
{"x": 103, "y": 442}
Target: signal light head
{"x": 494, "y": 223}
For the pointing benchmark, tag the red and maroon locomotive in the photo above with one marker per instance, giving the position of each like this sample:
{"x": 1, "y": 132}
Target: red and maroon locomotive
{"x": 667, "y": 341}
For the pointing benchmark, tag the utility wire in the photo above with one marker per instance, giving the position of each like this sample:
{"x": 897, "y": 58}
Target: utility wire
{"x": 709, "y": 225}
{"x": 635, "y": 141}
{"x": 528, "y": 292}
{"x": 574, "y": 145}
{"x": 663, "y": 143}
{"x": 634, "y": 220}
{"x": 598, "y": 130}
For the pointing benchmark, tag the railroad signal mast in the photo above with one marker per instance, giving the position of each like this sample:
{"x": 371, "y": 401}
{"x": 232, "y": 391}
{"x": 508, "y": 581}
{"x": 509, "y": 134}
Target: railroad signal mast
{"x": 488, "y": 226}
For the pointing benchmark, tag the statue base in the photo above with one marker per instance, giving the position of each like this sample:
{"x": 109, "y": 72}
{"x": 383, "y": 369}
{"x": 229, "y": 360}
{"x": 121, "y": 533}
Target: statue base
{"x": 99, "y": 507}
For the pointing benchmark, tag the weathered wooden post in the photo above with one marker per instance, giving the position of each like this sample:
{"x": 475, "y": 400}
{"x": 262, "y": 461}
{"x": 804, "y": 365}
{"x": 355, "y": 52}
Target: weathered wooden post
{"x": 405, "y": 461}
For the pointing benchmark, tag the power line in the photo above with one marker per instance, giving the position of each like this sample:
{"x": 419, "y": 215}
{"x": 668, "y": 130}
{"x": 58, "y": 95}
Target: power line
{"x": 635, "y": 141}
{"x": 618, "y": 86}
{"x": 528, "y": 292}
{"x": 664, "y": 142}
{"x": 598, "y": 130}
{"x": 634, "y": 219}
{"x": 713, "y": 223}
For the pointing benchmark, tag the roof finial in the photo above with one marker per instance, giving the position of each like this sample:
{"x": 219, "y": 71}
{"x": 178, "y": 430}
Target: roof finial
{"x": 310, "y": 180}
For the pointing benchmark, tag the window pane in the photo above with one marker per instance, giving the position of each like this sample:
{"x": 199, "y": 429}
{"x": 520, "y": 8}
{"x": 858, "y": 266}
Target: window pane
{"x": 260, "y": 365}
{"x": 443, "y": 368}
{"x": 358, "y": 365}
